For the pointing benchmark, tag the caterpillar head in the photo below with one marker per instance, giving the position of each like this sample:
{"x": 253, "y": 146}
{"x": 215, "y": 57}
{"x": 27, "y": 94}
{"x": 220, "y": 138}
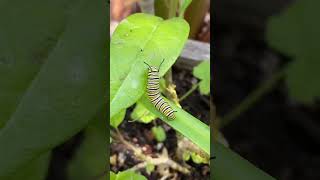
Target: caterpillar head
{"x": 152, "y": 68}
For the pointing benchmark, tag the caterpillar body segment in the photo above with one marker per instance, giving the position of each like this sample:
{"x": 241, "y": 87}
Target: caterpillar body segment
{"x": 153, "y": 90}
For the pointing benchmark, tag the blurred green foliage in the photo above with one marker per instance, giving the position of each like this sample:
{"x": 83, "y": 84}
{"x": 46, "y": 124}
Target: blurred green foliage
{"x": 90, "y": 159}
{"x": 229, "y": 165}
{"x": 52, "y": 76}
{"x": 296, "y": 34}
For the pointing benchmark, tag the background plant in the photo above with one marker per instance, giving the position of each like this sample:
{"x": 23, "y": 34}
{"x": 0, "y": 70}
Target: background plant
{"x": 293, "y": 33}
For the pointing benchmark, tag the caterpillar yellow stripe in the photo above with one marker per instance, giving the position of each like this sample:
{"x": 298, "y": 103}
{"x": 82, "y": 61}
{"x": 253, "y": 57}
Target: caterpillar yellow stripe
{"x": 153, "y": 90}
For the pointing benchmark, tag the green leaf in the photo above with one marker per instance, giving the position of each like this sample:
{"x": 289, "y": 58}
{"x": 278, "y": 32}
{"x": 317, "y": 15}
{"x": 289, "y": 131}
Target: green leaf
{"x": 150, "y": 168}
{"x": 296, "y": 34}
{"x": 159, "y": 133}
{"x": 138, "y": 38}
{"x": 186, "y": 155}
{"x": 185, "y": 123}
{"x": 229, "y": 165}
{"x": 196, "y": 158}
{"x": 64, "y": 95}
{"x": 142, "y": 114}
{"x": 113, "y": 176}
{"x": 116, "y": 120}
{"x": 183, "y": 6}
{"x": 91, "y": 158}
{"x": 28, "y": 33}
{"x": 36, "y": 170}
{"x": 202, "y": 71}
{"x": 163, "y": 85}
{"x": 125, "y": 175}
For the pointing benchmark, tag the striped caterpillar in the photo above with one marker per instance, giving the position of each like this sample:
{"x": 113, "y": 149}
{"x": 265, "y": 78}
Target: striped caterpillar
{"x": 153, "y": 89}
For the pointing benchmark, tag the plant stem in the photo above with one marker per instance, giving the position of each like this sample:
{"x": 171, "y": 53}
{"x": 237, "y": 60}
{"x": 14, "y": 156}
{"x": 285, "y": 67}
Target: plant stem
{"x": 252, "y": 98}
{"x": 168, "y": 77}
{"x": 166, "y": 8}
{"x": 193, "y": 88}
{"x": 195, "y": 14}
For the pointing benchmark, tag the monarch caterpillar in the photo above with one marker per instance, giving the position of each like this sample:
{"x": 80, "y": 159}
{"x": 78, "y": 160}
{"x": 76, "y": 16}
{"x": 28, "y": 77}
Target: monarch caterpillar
{"x": 153, "y": 90}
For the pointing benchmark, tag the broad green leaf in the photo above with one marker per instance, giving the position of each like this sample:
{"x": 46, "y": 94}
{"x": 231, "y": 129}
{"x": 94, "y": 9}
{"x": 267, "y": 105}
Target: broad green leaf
{"x": 185, "y": 123}
{"x": 126, "y": 175}
{"x": 36, "y": 170}
{"x": 29, "y": 31}
{"x": 66, "y": 93}
{"x": 142, "y": 114}
{"x": 229, "y": 165}
{"x": 296, "y": 34}
{"x": 91, "y": 158}
{"x": 113, "y": 176}
{"x": 159, "y": 133}
{"x": 116, "y": 120}
{"x": 141, "y": 38}
{"x": 183, "y": 6}
{"x": 202, "y": 71}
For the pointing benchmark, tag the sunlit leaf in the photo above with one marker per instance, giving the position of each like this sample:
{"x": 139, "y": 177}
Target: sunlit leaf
{"x": 141, "y": 38}
{"x": 159, "y": 133}
{"x": 116, "y": 120}
{"x": 142, "y": 114}
{"x": 189, "y": 126}
{"x": 128, "y": 175}
{"x": 202, "y": 71}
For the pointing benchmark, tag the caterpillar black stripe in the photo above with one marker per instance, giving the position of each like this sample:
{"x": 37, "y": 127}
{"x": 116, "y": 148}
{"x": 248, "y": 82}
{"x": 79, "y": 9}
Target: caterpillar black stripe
{"x": 153, "y": 89}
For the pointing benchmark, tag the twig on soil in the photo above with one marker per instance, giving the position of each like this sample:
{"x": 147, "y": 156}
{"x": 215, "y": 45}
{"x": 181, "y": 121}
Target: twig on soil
{"x": 162, "y": 159}
{"x": 159, "y": 161}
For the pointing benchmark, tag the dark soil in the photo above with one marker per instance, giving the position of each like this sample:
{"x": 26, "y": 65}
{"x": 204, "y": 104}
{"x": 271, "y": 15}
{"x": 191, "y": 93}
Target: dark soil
{"x": 278, "y": 135}
{"x": 141, "y": 135}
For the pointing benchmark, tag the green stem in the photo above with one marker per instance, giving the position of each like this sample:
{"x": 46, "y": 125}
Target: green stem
{"x": 168, "y": 77}
{"x": 193, "y": 88}
{"x": 252, "y": 98}
{"x": 173, "y": 8}
{"x": 166, "y": 8}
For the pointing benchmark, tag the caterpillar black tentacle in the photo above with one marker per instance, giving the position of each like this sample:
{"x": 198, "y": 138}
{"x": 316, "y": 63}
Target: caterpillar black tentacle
{"x": 153, "y": 90}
